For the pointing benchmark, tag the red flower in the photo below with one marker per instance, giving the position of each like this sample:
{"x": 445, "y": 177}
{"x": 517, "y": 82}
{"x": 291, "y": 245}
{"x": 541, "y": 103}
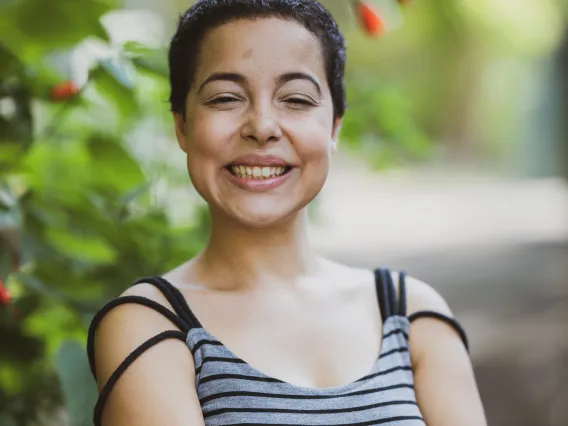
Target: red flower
{"x": 370, "y": 18}
{"x": 5, "y": 296}
{"x": 65, "y": 90}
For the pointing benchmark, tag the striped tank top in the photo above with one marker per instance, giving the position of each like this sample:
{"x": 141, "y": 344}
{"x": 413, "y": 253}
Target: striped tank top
{"x": 232, "y": 392}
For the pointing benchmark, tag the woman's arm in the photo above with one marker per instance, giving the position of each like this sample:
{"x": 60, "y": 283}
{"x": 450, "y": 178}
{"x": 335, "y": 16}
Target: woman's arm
{"x": 158, "y": 388}
{"x": 444, "y": 381}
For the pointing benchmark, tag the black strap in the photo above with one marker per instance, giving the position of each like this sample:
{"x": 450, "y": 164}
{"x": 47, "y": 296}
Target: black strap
{"x": 107, "y": 388}
{"x": 174, "y": 297}
{"x": 391, "y": 292}
{"x": 381, "y": 296}
{"x": 448, "y": 320}
{"x": 178, "y": 322}
{"x": 185, "y": 320}
{"x": 386, "y": 293}
{"x": 402, "y": 293}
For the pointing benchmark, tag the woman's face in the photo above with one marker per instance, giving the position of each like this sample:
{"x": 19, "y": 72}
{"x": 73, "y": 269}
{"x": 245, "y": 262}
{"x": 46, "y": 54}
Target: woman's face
{"x": 259, "y": 129}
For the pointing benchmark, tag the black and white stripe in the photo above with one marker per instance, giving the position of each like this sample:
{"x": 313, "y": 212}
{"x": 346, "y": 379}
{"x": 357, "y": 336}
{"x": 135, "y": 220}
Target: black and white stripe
{"x": 232, "y": 392}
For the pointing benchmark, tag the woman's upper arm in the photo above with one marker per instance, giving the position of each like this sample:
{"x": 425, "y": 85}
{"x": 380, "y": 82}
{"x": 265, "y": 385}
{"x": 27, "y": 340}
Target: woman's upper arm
{"x": 158, "y": 388}
{"x": 444, "y": 380}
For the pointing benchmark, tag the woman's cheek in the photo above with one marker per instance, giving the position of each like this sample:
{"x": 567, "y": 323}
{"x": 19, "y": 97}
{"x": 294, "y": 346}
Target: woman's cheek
{"x": 211, "y": 135}
{"x": 203, "y": 151}
{"x": 313, "y": 143}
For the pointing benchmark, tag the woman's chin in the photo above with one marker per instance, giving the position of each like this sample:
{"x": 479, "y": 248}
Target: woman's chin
{"x": 263, "y": 219}
{"x": 261, "y": 215}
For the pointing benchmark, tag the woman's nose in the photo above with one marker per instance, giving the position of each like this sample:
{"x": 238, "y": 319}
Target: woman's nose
{"x": 262, "y": 126}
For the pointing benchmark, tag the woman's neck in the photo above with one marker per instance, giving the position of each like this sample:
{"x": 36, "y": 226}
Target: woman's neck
{"x": 238, "y": 257}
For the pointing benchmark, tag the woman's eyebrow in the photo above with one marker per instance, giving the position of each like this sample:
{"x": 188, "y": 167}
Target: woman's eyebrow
{"x": 241, "y": 79}
{"x": 223, "y": 76}
{"x": 289, "y": 76}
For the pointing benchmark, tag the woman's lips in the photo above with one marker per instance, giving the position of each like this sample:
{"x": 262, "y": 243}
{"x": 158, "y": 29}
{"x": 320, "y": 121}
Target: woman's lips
{"x": 258, "y": 185}
{"x": 253, "y": 160}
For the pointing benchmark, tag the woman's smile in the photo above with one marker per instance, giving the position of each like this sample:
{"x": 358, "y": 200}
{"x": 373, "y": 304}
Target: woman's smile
{"x": 258, "y": 179}
{"x": 258, "y": 173}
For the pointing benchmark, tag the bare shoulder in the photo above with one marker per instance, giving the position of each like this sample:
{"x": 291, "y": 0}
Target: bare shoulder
{"x": 125, "y": 327}
{"x": 427, "y": 333}
{"x": 149, "y": 292}
{"x": 169, "y": 362}
{"x": 421, "y": 296}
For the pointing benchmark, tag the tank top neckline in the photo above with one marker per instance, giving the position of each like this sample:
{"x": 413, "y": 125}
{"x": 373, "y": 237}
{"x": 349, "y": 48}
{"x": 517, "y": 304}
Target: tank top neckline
{"x": 395, "y": 324}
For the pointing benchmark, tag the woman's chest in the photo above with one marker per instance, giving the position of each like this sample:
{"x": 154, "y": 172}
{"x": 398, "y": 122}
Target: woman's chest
{"x": 231, "y": 391}
{"x": 317, "y": 344}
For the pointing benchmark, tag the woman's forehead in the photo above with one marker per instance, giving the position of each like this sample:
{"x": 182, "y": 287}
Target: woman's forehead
{"x": 267, "y": 45}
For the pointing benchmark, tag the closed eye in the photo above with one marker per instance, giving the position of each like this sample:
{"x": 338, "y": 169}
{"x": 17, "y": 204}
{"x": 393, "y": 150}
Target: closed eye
{"x": 301, "y": 101}
{"x": 224, "y": 100}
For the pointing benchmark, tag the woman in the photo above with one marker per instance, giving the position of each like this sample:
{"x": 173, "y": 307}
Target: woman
{"x": 275, "y": 333}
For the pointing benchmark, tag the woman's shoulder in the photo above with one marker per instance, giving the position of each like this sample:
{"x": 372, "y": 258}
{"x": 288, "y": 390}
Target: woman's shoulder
{"x": 139, "y": 313}
{"x": 153, "y": 287}
{"x": 433, "y": 323}
{"x": 421, "y": 296}
{"x": 127, "y": 313}
{"x": 148, "y": 348}
{"x": 147, "y": 291}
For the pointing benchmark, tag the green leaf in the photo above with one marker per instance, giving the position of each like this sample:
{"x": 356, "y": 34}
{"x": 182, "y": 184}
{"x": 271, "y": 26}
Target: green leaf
{"x": 34, "y": 27}
{"x": 154, "y": 60}
{"x": 115, "y": 85}
{"x": 89, "y": 248}
{"x": 10, "y": 154}
{"x": 11, "y": 379}
{"x": 79, "y": 389}
{"x": 53, "y": 323}
{"x": 59, "y": 170}
{"x": 36, "y": 286}
{"x": 113, "y": 166}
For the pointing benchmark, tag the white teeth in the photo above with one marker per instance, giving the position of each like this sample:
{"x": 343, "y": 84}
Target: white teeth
{"x": 257, "y": 172}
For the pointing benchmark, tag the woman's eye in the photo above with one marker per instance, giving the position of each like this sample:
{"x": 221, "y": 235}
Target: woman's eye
{"x": 224, "y": 100}
{"x": 301, "y": 101}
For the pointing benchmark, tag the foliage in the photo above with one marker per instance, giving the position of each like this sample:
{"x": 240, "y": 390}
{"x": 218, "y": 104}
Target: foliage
{"x": 76, "y": 219}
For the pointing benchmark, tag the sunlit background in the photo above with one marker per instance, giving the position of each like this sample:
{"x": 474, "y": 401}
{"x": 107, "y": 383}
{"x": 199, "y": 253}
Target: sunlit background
{"x": 452, "y": 166}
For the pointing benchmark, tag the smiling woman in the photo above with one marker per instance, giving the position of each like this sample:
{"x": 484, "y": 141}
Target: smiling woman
{"x": 275, "y": 334}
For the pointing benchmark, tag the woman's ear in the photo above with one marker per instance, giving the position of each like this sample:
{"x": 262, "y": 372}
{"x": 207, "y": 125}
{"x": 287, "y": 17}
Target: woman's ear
{"x": 335, "y": 134}
{"x": 181, "y": 134}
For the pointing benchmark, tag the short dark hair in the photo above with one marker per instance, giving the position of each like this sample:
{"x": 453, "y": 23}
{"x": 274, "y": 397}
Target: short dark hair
{"x": 208, "y": 14}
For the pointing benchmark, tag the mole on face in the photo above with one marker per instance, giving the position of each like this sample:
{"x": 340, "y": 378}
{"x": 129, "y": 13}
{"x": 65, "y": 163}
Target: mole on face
{"x": 247, "y": 54}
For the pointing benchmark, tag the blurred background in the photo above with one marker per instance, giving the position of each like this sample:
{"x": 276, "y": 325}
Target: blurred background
{"x": 453, "y": 167}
